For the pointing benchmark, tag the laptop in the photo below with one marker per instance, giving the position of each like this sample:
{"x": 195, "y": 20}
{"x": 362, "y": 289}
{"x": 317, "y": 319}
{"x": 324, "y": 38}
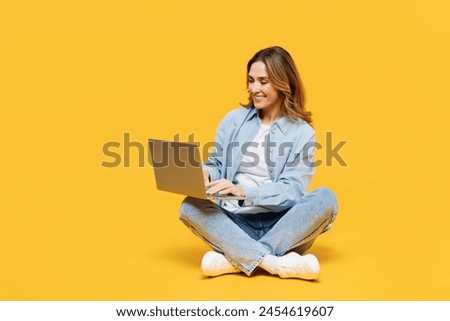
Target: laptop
{"x": 178, "y": 169}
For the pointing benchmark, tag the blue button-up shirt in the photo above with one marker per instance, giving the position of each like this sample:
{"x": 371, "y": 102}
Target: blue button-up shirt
{"x": 289, "y": 156}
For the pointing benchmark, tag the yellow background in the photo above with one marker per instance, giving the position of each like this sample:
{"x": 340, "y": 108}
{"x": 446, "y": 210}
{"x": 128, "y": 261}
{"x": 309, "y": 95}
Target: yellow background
{"x": 77, "y": 74}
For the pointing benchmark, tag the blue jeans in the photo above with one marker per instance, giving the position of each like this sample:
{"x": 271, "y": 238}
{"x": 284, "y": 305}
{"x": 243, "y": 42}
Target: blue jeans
{"x": 245, "y": 239}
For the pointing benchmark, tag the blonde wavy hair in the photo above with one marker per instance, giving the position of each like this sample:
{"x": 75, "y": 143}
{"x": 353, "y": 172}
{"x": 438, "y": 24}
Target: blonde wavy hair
{"x": 285, "y": 78}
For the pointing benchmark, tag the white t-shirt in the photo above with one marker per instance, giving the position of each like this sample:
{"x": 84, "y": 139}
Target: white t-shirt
{"x": 252, "y": 172}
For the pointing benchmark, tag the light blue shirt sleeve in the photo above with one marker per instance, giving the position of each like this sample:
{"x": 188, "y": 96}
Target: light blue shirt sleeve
{"x": 292, "y": 180}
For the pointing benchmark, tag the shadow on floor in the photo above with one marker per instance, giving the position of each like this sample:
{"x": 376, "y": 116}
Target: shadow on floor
{"x": 323, "y": 253}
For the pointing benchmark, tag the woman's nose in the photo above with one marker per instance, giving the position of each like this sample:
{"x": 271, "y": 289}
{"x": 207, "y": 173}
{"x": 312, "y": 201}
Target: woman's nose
{"x": 254, "y": 88}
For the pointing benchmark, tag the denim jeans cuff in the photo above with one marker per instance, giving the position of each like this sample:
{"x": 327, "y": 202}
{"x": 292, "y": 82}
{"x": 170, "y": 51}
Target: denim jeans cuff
{"x": 248, "y": 269}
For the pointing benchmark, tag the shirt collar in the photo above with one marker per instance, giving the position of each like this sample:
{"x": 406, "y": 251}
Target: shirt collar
{"x": 284, "y": 123}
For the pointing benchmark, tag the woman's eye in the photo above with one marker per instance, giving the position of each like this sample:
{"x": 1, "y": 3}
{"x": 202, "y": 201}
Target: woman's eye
{"x": 264, "y": 82}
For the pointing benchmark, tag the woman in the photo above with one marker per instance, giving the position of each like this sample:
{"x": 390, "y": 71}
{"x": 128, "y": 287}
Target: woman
{"x": 264, "y": 152}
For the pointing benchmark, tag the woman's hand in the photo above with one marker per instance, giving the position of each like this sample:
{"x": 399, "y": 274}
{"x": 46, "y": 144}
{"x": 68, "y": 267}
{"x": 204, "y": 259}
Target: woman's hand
{"x": 224, "y": 187}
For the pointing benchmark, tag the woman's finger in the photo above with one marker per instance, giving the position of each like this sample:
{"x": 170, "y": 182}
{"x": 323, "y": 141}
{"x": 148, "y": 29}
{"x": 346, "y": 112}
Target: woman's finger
{"x": 220, "y": 186}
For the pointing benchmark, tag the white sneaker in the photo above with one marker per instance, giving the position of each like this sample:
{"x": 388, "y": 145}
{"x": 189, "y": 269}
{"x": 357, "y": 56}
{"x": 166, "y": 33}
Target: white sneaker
{"x": 327, "y": 228}
{"x": 294, "y": 265}
{"x": 214, "y": 264}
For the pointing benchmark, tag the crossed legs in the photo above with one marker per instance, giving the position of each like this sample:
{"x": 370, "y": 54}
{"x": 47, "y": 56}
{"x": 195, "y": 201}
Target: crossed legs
{"x": 239, "y": 250}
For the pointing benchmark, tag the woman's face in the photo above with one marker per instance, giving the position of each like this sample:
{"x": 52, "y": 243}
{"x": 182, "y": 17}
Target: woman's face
{"x": 262, "y": 92}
